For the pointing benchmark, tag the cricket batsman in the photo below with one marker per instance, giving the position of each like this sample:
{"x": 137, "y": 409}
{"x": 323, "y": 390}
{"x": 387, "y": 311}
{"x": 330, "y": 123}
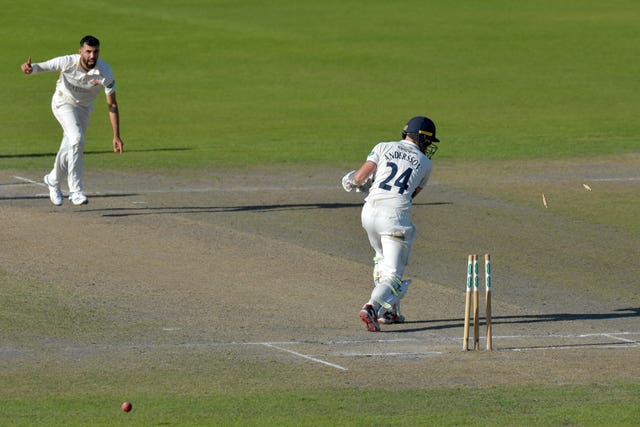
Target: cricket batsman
{"x": 393, "y": 174}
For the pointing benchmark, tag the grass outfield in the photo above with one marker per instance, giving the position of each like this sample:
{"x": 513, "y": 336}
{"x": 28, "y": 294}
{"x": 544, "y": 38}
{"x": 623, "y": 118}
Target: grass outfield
{"x": 570, "y": 405}
{"x": 215, "y": 84}
{"x": 204, "y": 83}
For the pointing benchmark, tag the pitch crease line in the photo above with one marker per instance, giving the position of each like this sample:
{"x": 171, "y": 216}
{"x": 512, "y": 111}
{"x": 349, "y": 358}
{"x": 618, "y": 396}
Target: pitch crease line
{"x": 304, "y": 356}
{"x": 30, "y": 181}
{"x": 585, "y": 335}
{"x": 621, "y": 339}
{"x": 247, "y": 188}
{"x": 572, "y": 347}
{"x": 616, "y": 179}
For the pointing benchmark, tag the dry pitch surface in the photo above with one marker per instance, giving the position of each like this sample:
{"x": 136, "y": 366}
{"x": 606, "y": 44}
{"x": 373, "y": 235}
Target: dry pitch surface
{"x": 246, "y": 279}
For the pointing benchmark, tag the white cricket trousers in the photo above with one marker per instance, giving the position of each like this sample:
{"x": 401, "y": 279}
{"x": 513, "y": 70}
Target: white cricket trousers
{"x": 391, "y": 234}
{"x": 74, "y": 120}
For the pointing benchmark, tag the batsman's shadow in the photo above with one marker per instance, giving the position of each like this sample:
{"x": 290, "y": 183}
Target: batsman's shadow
{"x": 443, "y": 324}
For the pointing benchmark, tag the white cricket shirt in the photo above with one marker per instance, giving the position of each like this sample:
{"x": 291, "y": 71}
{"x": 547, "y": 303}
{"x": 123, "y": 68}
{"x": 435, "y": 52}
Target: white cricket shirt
{"x": 401, "y": 168}
{"x": 75, "y": 84}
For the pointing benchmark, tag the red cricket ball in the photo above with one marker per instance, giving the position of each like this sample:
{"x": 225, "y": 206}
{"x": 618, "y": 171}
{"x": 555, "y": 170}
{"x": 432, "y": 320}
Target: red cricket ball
{"x": 126, "y": 406}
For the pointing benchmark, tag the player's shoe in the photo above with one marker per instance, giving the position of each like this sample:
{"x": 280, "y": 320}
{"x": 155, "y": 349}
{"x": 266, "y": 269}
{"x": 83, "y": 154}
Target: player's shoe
{"x": 55, "y": 194}
{"x": 368, "y": 316}
{"x": 78, "y": 198}
{"x": 390, "y": 318}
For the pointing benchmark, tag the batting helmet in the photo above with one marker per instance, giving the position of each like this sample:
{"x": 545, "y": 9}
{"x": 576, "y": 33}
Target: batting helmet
{"x": 422, "y": 130}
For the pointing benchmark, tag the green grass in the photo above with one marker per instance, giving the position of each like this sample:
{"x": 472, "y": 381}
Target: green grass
{"x": 607, "y": 406}
{"x": 211, "y": 84}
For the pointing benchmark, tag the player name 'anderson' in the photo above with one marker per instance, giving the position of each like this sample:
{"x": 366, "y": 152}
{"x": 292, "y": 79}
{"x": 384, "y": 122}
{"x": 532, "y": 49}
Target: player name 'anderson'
{"x": 407, "y": 157}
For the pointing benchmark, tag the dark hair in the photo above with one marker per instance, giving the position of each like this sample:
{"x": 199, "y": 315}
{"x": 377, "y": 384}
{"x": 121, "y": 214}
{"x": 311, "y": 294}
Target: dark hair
{"x": 90, "y": 40}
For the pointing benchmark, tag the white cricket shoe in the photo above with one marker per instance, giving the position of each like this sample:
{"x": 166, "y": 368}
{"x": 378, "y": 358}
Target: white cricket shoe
{"x": 78, "y": 198}
{"x": 55, "y": 194}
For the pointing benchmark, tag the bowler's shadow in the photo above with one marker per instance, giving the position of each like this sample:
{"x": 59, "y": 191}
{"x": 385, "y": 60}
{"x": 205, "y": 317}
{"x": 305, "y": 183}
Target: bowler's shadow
{"x": 89, "y": 152}
{"x": 142, "y": 210}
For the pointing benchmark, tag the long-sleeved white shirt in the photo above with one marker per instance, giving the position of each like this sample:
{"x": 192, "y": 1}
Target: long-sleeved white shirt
{"x": 75, "y": 84}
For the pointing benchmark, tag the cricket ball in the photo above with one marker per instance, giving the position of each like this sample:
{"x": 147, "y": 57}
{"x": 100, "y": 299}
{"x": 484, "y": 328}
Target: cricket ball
{"x": 126, "y": 406}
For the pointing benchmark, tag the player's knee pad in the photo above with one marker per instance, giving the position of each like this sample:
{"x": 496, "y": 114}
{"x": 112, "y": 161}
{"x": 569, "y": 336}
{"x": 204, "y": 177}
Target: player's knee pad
{"x": 389, "y": 292}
